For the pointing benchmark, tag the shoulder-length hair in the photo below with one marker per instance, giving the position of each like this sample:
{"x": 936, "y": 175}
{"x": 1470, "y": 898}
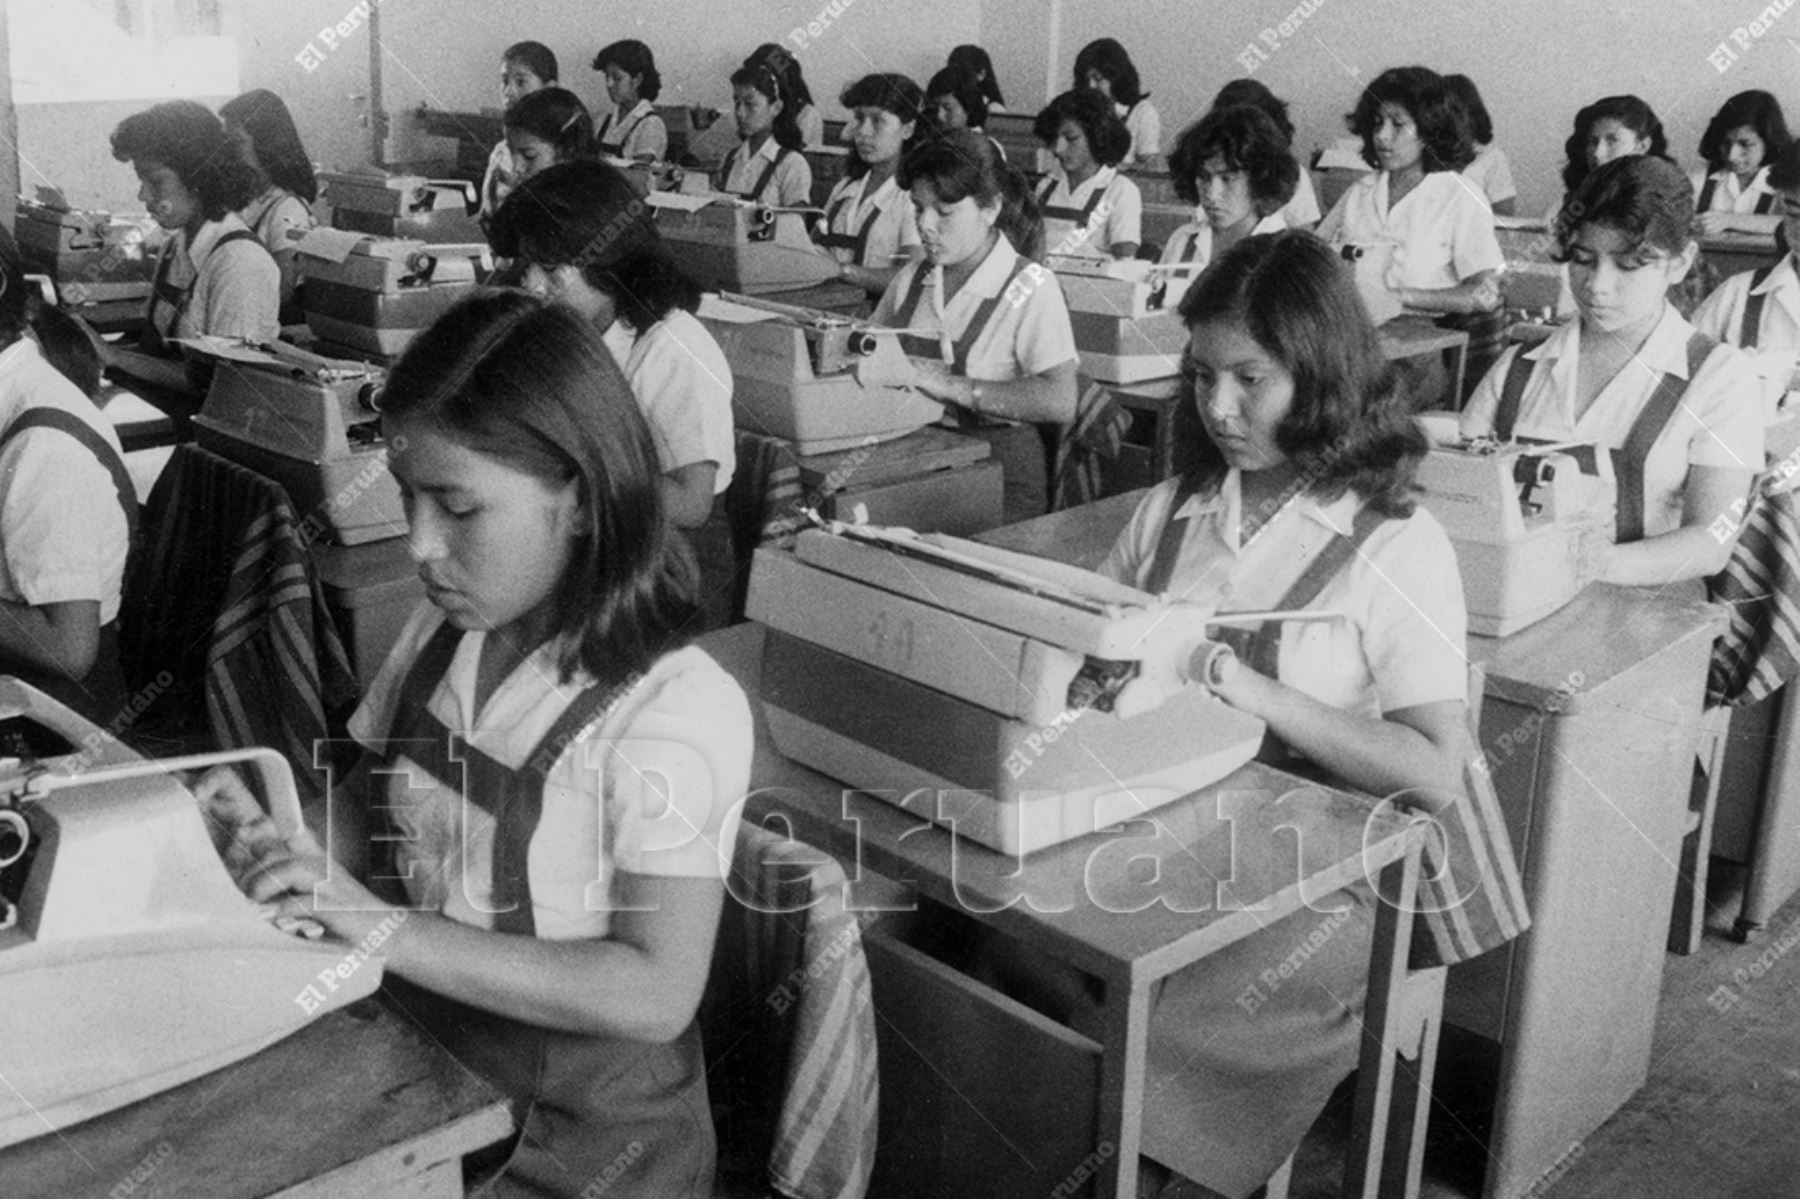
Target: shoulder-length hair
{"x": 962, "y": 87}
{"x": 1248, "y": 141}
{"x": 510, "y": 376}
{"x": 1107, "y": 138}
{"x": 963, "y": 163}
{"x": 1107, "y": 57}
{"x": 634, "y": 58}
{"x": 261, "y": 114}
{"x": 558, "y": 117}
{"x": 1756, "y": 109}
{"x": 976, "y": 62}
{"x": 1649, "y": 201}
{"x": 587, "y": 214}
{"x": 190, "y": 141}
{"x": 535, "y": 57}
{"x": 893, "y": 93}
{"x": 1350, "y": 427}
{"x": 1442, "y": 124}
{"x": 1465, "y": 93}
{"x": 766, "y": 80}
{"x": 1628, "y": 111}
{"x": 785, "y": 65}
{"x": 1256, "y": 95}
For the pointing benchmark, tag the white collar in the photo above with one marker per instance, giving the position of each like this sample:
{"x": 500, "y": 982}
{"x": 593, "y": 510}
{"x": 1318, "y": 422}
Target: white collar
{"x": 1664, "y": 351}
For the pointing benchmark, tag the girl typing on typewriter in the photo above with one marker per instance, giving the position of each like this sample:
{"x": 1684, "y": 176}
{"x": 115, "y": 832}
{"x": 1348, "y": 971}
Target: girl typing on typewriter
{"x": 558, "y": 774}
{"x": 548, "y": 126}
{"x": 526, "y": 67}
{"x": 1234, "y": 165}
{"x": 766, "y": 165}
{"x": 869, "y": 226}
{"x": 1681, "y": 415}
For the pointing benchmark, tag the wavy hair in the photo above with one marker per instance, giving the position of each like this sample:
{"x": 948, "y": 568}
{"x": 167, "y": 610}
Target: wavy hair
{"x": 1630, "y": 112}
{"x": 1107, "y": 138}
{"x": 1248, "y": 141}
{"x": 1762, "y": 113}
{"x": 192, "y": 142}
{"x": 963, "y": 163}
{"x": 1442, "y": 123}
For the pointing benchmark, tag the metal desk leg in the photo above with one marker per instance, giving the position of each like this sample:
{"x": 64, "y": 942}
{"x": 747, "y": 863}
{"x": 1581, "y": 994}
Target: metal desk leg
{"x": 1127, "y": 1036}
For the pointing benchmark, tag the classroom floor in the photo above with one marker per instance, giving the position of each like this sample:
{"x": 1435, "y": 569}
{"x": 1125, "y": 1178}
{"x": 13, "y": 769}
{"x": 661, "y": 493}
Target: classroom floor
{"x": 1717, "y": 1120}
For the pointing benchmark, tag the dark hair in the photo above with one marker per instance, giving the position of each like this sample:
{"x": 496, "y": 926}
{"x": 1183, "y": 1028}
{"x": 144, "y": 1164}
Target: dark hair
{"x": 1648, "y": 200}
{"x": 68, "y": 345}
{"x": 787, "y": 68}
{"x": 1350, "y": 427}
{"x": 1784, "y": 172}
{"x": 1107, "y": 57}
{"x": 1465, "y": 93}
{"x": 1107, "y": 136}
{"x": 633, "y": 58}
{"x": 1761, "y": 112}
{"x": 15, "y": 294}
{"x": 1248, "y": 141}
{"x": 587, "y": 214}
{"x": 963, "y": 163}
{"x": 509, "y": 376}
{"x": 261, "y": 114}
{"x": 1630, "y": 112}
{"x": 190, "y": 141}
{"x": 894, "y": 93}
{"x": 960, "y": 86}
{"x": 763, "y": 78}
{"x": 557, "y": 116}
{"x": 976, "y": 62}
{"x": 1249, "y": 91}
{"x": 535, "y": 57}
{"x": 1442, "y": 124}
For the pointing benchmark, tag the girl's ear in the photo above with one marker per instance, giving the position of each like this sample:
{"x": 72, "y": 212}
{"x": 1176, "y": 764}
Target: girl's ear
{"x": 572, "y": 518}
{"x": 1682, "y": 263}
{"x": 907, "y": 128}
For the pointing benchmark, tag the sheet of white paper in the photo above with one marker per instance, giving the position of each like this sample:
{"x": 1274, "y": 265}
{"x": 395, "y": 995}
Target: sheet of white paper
{"x": 333, "y": 245}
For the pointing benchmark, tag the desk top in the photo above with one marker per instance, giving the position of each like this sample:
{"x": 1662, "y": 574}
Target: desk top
{"x": 1130, "y": 904}
{"x": 1081, "y": 536}
{"x": 335, "y": 1102}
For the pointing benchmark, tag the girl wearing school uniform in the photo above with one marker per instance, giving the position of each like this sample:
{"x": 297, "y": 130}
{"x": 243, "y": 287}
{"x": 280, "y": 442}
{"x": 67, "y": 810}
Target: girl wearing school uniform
{"x": 526, "y": 67}
{"x": 214, "y": 277}
{"x": 548, "y": 126}
{"x": 633, "y": 130}
{"x": 1744, "y": 138}
{"x": 869, "y": 225}
{"x": 1759, "y": 310}
{"x": 954, "y": 100}
{"x": 1301, "y": 212}
{"x": 1234, "y": 165}
{"x": 1491, "y": 171}
{"x": 766, "y": 165}
{"x": 1611, "y": 127}
{"x": 1681, "y": 413}
{"x": 987, "y": 327}
{"x": 1104, "y": 66}
{"x": 978, "y": 64}
{"x": 260, "y": 125}
{"x": 584, "y": 239}
{"x": 795, "y": 93}
{"x": 557, "y": 775}
{"x": 1089, "y": 208}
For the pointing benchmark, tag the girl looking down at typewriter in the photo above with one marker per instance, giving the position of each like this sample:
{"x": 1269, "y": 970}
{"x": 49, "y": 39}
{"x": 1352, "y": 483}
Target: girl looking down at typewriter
{"x": 558, "y": 775}
{"x": 548, "y": 126}
{"x": 526, "y": 67}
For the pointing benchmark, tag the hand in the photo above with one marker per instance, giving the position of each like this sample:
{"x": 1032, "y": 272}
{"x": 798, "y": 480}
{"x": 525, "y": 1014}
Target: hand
{"x": 241, "y": 831}
{"x": 1712, "y": 223}
{"x": 1486, "y": 296}
{"x": 1594, "y": 546}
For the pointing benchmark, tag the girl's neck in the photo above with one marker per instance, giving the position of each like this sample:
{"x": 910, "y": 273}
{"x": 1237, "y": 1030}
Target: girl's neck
{"x": 756, "y": 141}
{"x": 1088, "y": 172}
{"x": 505, "y": 648}
{"x": 1262, "y": 494}
{"x": 880, "y": 173}
{"x": 1626, "y": 342}
{"x": 958, "y": 273}
{"x": 1402, "y": 181}
{"x": 1232, "y": 234}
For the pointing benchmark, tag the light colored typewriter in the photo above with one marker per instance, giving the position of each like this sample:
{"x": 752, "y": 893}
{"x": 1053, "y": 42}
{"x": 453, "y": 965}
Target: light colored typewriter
{"x": 92, "y": 257}
{"x": 728, "y": 243}
{"x": 129, "y": 960}
{"x": 1124, "y": 315}
{"x": 375, "y": 294}
{"x": 405, "y": 206}
{"x": 1018, "y": 701}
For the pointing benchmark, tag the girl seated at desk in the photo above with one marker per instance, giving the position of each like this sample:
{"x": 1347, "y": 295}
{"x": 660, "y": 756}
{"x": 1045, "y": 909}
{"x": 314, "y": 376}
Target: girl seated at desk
{"x": 633, "y": 129}
{"x": 1104, "y": 67}
{"x": 259, "y": 122}
{"x": 976, "y": 62}
{"x": 581, "y": 237}
{"x": 1234, "y": 165}
{"x": 1744, "y": 138}
{"x": 1490, "y": 171}
{"x": 954, "y": 100}
{"x": 562, "y": 775}
{"x": 214, "y": 278}
{"x": 548, "y": 126}
{"x": 869, "y": 226}
{"x": 996, "y": 344}
{"x": 1089, "y": 208}
{"x": 1301, "y": 212}
{"x": 1611, "y": 127}
{"x": 1681, "y": 414}
{"x": 793, "y": 87}
{"x": 526, "y": 67}
{"x": 1759, "y": 310}
{"x": 766, "y": 165}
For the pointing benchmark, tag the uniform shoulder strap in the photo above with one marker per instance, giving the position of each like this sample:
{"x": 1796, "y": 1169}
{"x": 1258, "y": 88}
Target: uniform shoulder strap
{"x": 81, "y": 431}
{"x": 1750, "y": 328}
{"x": 1628, "y": 459}
{"x": 1512, "y": 394}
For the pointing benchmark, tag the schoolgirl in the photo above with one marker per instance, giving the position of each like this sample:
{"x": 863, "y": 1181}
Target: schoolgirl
{"x": 976, "y": 62}
{"x": 1759, "y": 310}
{"x": 869, "y": 225}
{"x": 526, "y": 67}
{"x": 1744, "y": 138}
{"x": 795, "y": 93}
{"x": 1234, "y": 166}
{"x": 545, "y": 127}
{"x": 259, "y": 122}
{"x": 954, "y": 100}
{"x": 1611, "y": 127}
{"x": 1301, "y": 212}
{"x": 558, "y": 775}
{"x": 1490, "y": 171}
{"x": 1104, "y": 66}
{"x": 633, "y": 129}
{"x": 1088, "y": 207}
{"x": 766, "y": 165}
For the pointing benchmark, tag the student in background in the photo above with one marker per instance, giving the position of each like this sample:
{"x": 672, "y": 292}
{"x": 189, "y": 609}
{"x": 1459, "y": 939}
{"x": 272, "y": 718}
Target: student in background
{"x": 766, "y": 165}
{"x": 526, "y": 67}
{"x": 869, "y": 225}
{"x": 1490, "y": 171}
{"x": 954, "y": 101}
{"x": 547, "y": 127}
{"x": 795, "y": 93}
{"x": 1682, "y": 413}
{"x": 991, "y": 340}
{"x": 1301, "y": 212}
{"x": 1088, "y": 207}
{"x": 213, "y": 278}
{"x": 1759, "y": 310}
{"x": 633, "y": 129}
{"x": 1234, "y": 165}
{"x": 1104, "y": 66}
{"x": 1744, "y": 138}
{"x": 260, "y": 125}
{"x": 976, "y": 62}
{"x": 605, "y": 762}
{"x": 1611, "y": 127}
{"x": 582, "y": 237}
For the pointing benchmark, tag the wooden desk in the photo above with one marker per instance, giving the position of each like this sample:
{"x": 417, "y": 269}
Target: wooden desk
{"x": 1085, "y": 904}
{"x": 1407, "y": 337}
{"x": 1731, "y": 253}
{"x": 358, "y": 1103}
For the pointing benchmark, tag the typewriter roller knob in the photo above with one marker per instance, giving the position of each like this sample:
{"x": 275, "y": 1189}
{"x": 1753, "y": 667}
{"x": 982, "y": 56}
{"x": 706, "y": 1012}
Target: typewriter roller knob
{"x": 1351, "y": 253}
{"x": 368, "y": 396}
{"x": 1211, "y": 664}
{"x": 15, "y": 836}
{"x": 862, "y": 344}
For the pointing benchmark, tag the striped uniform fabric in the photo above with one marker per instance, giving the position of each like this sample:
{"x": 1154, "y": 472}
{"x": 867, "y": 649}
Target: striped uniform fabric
{"x": 1471, "y": 897}
{"x": 1760, "y": 585}
{"x": 1091, "y": 439}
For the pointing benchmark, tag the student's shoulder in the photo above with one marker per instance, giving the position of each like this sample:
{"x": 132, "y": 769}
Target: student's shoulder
{"x": 690, "y": 684}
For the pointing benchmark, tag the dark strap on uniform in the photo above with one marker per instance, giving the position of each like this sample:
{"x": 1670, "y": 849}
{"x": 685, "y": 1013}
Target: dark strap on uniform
{"x": 1512, "y": 394}
{"x": 617, "y": 149}
{"x": 1764, "y": 204}
{"x": 756, "y": 191}
{"x": 81, "y": 431}
{"x": 1704, "y": 203}
{"x": 1628, "y": 459}
{"x": 178, "y": 298}
{"x": 920, "y": 345}
{"x": 1060, "y": 212}
{"x": 1751, "y": 327}
{"x": 856, "y": 242}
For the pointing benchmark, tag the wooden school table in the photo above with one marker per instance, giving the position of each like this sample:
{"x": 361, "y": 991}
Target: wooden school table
{"x": 358, "y": 1103}
{"x": 1730, "y": 253}
{"x": 1011, "y": 1094}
